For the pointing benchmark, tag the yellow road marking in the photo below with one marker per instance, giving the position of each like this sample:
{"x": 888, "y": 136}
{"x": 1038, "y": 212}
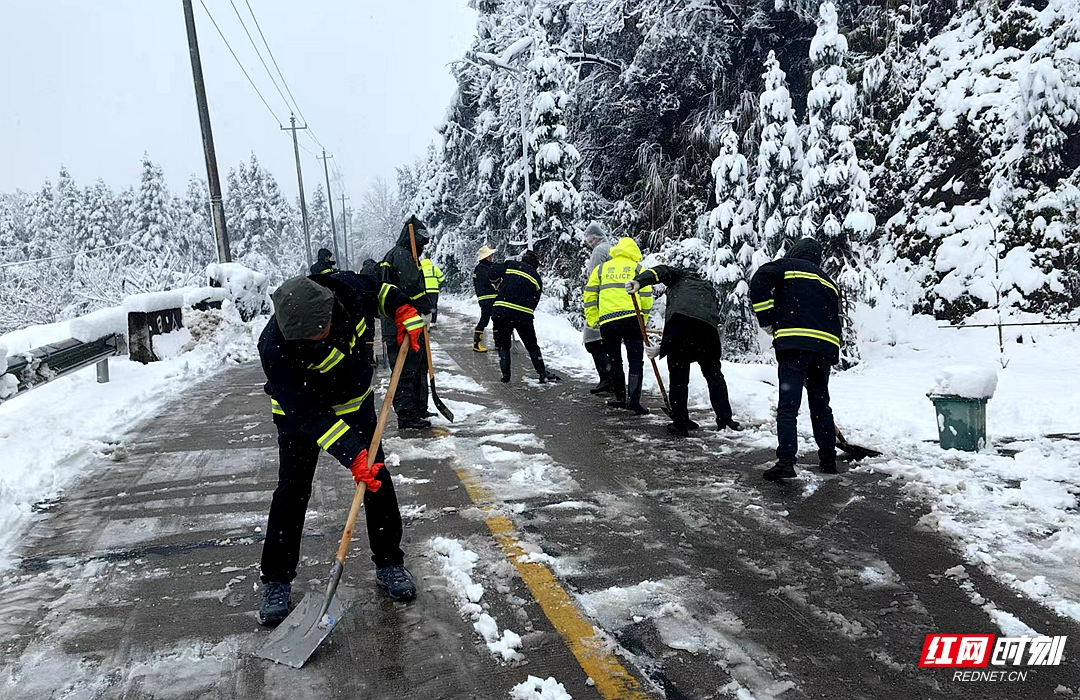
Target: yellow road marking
{"x": 612, "y": 679}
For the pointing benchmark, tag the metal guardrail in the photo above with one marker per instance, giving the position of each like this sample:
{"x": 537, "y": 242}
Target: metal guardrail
{"x": 48, "y": 362}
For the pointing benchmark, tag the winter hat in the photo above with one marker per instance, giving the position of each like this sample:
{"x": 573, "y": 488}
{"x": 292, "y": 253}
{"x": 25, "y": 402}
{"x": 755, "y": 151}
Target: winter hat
{"x": 806, "y": 249}
{"x": 325, "y": 255}
{"x": 484, "y": 252}
{"x": 530, "y": 256}
{"x": 302, "y": 308}
{"x": 419, "y": 229}
{"x": 595, "y": 231}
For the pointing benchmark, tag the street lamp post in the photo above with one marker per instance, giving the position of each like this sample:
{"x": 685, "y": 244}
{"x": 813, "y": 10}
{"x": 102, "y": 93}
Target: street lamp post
{"x": 502, "y": 62}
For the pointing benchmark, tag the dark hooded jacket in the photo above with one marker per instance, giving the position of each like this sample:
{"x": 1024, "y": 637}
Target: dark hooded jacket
{"x": 323, "y": 265}
{"x": 313, "y": 383}
{"x": 799, "y": 301}
{"x": 401, "y": 269}
{"x": 483, "y": 281}
{"x": 689, "y": 296}
{"x": 519, "y": 291}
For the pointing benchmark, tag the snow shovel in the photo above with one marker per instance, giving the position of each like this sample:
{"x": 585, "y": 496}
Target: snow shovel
{"x": 439, "y": 405}
{"x": 857, "y": 452}
{"x": 645, "y": 336}
{"x": 299, "y": 634}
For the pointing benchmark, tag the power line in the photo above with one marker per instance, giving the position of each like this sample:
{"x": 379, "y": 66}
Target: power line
{"x": 295, "y": 105}
{"x": 65, "y": 255}
{"x": 284, "y": 82}
{"x": 258, "y": 53}
{"x": 235, "y": 58}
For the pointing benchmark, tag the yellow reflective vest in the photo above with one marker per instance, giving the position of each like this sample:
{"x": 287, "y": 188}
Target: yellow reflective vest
{"x": 605, "y": 296}
{"x": 433, "y": 276}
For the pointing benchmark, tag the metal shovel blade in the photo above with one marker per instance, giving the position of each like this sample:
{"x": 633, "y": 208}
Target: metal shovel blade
{"x": 439, "y": 405}
{"x": 299, "y": 634}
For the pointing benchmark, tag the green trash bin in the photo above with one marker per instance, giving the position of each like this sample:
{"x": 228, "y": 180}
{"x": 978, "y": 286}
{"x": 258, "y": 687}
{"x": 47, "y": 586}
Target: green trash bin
{"x": 961, "y": 422}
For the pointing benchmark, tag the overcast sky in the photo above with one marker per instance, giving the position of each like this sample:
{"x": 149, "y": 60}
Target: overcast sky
{"x": 92, "y": 85}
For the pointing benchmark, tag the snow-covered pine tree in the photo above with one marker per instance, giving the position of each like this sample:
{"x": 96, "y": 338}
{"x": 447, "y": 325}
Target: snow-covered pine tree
{"x": 41, "y": 227}
{"x": 257, "y": 252}
{"x": 234, "y": 209}
{"x": 153, "y": 261}
{"x": 556, "y": 202}
{"x": 100, "y": 228}
{"x": 834, "y": 184}
{"x": 153, "y": 213}
{"x": 319, "y": 221}
{"x": 779, "y": 166}
{"x": 286, "y": 238}
{"x": 69, "y": 210}
{"x": 196, "y": 231}
{"x": 12, "y": 229}
{"x": 733, "y": 242}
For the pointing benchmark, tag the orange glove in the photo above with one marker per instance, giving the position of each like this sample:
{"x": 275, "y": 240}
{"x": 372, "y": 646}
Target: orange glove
{"x": 361, "y": 472}
{"x": 409, "y": 323}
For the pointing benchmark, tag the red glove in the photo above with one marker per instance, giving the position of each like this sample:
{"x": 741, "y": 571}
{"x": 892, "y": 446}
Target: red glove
{"x": 409, "y": 323}
{"x": 361, "y": 472}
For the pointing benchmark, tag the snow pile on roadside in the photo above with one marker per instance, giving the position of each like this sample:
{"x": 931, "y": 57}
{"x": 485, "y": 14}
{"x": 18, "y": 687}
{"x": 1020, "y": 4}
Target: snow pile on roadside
{"x": 1013, "y": 516}
{"x": 534, "y": 688}
{"x": 456, "y": 564}
{"x": 48, "y": 436}
{"x": 246, "y": 288}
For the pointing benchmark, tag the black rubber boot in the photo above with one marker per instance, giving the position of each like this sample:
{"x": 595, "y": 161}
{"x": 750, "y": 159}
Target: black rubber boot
{"x": 779, "y": 472}
{"x": 504, "y": 365}
{"x": 275, "y": 603}
{"x": 619, "y": 388}
{"x": 603, "y": 368}
{"x": 633, "y": 395}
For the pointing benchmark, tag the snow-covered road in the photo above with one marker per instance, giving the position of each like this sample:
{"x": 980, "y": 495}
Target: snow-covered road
{"x": 536, "y": 516}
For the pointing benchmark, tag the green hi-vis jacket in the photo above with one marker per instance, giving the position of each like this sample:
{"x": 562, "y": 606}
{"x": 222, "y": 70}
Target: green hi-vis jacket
{"x": 433, "y": 276}
{"x": 605, "y": 296}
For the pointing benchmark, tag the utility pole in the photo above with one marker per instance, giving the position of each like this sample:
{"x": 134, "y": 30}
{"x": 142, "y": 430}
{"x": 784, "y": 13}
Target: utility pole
{"x": 300, "y": 183}
{"x": 330, "y": 199}
{"x": 345, "y": 230}
{"x": 217, "y": 211}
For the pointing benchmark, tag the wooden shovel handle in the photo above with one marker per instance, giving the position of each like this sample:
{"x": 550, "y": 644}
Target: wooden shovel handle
{"x": 373, "y": 449}
{"x": 427, "y": 343}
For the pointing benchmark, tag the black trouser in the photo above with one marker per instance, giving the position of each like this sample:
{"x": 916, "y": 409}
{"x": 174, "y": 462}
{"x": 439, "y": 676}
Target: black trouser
{"x": 504, "y": 323}
{"x": 433, "y": 299}
{"x": 285, "y": 525}
{"x": 485, "y": 314}
{"x": 700, "y": 344}
{"x": 411, "y": 398}
{"x": 626, "y": 332}
{"x": 798, "y": 368}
